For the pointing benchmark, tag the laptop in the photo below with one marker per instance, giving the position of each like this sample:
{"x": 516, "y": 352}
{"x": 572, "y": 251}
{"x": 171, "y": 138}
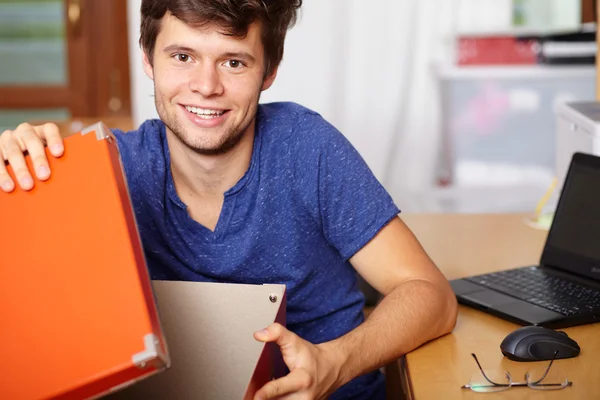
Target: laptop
{"x": 564, "y": 289}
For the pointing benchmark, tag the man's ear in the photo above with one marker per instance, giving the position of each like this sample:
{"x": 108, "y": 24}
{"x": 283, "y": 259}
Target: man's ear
{"x": 148, "y": 69}
{"x": 269, "y": 79}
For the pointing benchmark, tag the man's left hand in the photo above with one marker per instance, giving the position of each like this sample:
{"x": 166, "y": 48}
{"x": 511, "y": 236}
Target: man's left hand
{"x": 313, "y": 371}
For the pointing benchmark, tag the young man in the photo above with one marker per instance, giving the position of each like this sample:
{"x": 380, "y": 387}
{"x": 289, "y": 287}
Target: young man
{"x": 225, "y": 189}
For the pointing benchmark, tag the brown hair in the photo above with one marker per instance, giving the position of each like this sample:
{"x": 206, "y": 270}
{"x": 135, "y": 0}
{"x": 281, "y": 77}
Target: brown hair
{"x": 234, "y": 16}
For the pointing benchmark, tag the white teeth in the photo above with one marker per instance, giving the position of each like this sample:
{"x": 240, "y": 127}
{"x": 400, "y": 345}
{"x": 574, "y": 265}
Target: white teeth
{"x": 204, "y": 112}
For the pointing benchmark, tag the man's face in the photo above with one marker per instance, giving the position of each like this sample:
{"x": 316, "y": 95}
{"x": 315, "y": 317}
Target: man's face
{"x": 206, "y": 84}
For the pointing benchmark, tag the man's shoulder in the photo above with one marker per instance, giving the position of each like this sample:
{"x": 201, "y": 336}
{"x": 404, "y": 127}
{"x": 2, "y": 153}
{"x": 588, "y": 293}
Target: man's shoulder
{"x": 284, "y": 110}
{"x": 297, "y": 123}
{"x": 142, "y": 147}
{"x": 146, "y": 137}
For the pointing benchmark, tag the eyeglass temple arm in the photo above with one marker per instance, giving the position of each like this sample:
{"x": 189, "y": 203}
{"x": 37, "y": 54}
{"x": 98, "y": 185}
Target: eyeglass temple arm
{"x": 484, "y": 375}
{"x": 547, "y": 369}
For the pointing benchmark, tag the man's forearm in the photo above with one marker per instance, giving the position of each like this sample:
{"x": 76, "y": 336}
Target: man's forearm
{"x": 412, "y": 314}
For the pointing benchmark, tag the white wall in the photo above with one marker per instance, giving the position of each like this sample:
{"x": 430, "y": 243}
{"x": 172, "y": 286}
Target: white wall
{"x": 325, "y": 68}
{"x": 142, "y": 102}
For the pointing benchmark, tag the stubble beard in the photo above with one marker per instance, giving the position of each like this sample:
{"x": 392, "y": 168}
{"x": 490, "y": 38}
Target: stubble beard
{"x": 232, "y": 137}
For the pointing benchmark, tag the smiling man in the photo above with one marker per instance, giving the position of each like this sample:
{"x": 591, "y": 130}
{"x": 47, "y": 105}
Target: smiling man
{"x": 207, "y": 85}
{"x": 227, "y": 190}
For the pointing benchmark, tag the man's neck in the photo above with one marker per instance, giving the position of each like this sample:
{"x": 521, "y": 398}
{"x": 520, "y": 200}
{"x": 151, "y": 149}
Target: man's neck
{"x": 200, "y": 176}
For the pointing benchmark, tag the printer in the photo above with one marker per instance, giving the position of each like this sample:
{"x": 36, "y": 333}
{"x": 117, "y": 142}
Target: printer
{"x": 577, "y": 130}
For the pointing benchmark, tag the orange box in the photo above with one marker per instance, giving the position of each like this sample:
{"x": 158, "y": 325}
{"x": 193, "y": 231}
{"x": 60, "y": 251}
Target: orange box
{"x": 77, "y": 309}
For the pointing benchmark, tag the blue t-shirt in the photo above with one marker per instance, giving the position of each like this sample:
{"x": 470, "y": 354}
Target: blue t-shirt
{"x": 306, "y": 204}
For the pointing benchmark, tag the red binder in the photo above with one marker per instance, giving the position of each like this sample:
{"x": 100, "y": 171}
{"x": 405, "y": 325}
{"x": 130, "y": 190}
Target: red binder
{"x": 497, "y": 51}
{"x": 77, "y": 309}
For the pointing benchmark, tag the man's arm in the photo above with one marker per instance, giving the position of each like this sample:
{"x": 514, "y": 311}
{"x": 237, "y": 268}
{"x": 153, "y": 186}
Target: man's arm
{"x": 418, "y": 306}
{"x": 418, "y": 303}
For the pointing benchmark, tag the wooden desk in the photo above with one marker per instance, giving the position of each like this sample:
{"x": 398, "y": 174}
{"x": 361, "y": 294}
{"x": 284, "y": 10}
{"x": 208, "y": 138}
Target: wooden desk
{"x": 463, "y": 245}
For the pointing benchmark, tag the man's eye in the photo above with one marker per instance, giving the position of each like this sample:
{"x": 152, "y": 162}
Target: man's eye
{"x": 234, "y": 64}
{"x": 183, "y": 57}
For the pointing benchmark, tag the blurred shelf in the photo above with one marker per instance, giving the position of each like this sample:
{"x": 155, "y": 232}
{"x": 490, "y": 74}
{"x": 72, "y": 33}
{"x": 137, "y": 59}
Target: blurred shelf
{"x": 516, "y": 71}
{"x": 516, "y": 31}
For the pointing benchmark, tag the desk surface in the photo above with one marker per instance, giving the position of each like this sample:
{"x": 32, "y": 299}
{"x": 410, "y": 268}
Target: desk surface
{"x": 463, "y": 245}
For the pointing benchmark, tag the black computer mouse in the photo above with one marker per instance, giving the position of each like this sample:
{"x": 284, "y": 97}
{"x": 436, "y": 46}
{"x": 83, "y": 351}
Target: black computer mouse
{"x": 536, "y": 343}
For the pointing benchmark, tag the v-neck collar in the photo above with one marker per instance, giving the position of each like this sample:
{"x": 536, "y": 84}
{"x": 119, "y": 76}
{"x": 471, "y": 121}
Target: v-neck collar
{"x": 228, "y": 196}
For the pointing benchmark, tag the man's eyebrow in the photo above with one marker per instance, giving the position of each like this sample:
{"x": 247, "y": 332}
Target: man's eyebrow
{"x": 178, "y": 48}
{"x": 242, "y": 55}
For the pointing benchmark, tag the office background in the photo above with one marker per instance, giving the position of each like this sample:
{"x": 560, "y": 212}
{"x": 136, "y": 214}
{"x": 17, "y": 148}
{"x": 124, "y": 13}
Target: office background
{"x": 441, "y": 137}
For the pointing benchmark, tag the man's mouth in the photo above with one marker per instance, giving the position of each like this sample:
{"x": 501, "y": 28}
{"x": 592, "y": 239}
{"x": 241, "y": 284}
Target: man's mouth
{"x": 205, "y": 113}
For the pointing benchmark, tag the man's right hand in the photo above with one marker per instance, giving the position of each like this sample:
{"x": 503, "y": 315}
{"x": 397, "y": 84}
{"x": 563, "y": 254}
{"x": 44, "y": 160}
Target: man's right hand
{"x": 31, "y": 139}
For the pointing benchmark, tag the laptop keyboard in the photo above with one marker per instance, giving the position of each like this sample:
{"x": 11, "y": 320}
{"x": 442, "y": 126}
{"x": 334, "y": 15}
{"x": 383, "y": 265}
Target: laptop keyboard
{"x": 534, "y": 285}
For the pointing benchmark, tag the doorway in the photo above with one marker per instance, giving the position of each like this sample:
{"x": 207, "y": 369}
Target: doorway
{"x": 62, "y": 60}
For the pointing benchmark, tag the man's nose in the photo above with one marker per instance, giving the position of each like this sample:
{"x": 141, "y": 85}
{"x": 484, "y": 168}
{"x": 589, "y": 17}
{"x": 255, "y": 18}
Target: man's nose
{"x": 206, "y": 81}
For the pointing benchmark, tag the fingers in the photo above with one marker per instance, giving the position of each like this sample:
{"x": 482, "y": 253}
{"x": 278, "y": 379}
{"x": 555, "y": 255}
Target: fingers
{"x": 296, "y": 381}
{"x": 30, "y": 139}
{"x": 51, "y": 135}
{"x": 300, "y": 357}
{"x": 34, "y": 146}
{"x": 13, "y": 153}
{"x": 275, "y": 333}
{"x": 6, "y": 182}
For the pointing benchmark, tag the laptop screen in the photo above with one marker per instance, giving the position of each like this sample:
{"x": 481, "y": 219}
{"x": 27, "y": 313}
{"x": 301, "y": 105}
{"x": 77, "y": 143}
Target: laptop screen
{"x": 573, "y": 242}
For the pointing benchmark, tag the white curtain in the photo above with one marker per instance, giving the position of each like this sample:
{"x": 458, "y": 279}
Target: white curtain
{"x": 368, "y": 67}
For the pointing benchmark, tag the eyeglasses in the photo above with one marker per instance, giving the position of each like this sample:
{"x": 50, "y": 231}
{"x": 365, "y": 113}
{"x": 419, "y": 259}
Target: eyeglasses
{"x": 496, "y": 381}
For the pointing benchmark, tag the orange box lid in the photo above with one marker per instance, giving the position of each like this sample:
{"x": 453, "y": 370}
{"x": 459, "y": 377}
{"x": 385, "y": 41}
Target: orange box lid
{"x": 77, "y": 309}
